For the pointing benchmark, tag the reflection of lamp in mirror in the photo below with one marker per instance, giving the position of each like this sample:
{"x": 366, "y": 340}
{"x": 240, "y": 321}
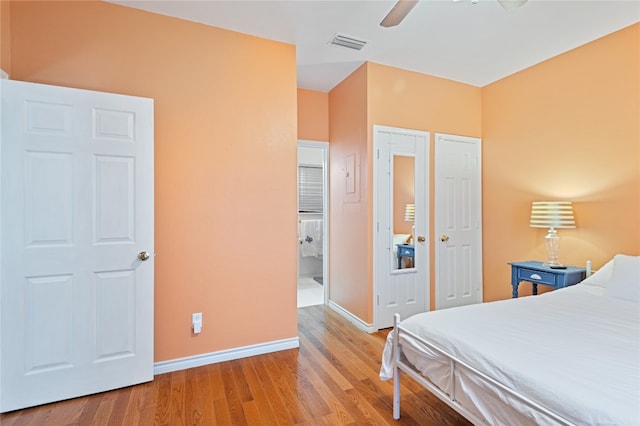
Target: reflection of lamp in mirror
{"x": 552, "y": 214}
{"x": 410, "y": 216}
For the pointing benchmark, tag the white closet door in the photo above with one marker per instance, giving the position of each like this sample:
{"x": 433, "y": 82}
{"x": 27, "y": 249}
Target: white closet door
{"x": 458, "y": 220}
{"x": 400, "y": 287}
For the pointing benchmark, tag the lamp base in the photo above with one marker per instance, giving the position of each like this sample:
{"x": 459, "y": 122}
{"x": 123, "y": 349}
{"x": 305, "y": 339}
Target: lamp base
{"x": 552, "y": 244}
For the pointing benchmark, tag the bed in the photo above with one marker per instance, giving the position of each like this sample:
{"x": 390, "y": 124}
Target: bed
{"x": 571, "y": 356}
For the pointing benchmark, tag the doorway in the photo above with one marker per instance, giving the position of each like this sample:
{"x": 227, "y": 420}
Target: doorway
{"x": 313, "y": 227}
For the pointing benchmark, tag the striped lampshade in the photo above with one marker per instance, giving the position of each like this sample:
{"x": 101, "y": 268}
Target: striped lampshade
{"x": 410, "y": 213}
{"x": 552, "y": 214}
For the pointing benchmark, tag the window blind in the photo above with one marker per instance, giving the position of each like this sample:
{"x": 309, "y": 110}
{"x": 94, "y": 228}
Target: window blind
{"x": 310, "y": 189}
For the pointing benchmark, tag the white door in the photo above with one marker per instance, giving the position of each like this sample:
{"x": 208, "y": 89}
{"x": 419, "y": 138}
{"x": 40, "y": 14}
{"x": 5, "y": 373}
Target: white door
{"x": 401, "y": 268}
{"x": 76, "y": 211}
{"x": 458, "y": 220}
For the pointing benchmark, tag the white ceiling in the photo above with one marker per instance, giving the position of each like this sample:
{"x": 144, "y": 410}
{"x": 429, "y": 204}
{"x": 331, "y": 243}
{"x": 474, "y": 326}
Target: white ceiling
{"x": 471, "y": 43}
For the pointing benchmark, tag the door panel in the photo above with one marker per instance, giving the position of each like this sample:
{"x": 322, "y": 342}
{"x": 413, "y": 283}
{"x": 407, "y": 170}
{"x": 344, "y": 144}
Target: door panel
{"x": 49, "y": 308}
{"x": 114, "y": 186}
{"x": 48, "y": 198}
{"x": 76, "y": 208}
{"x": 458, "y": 221}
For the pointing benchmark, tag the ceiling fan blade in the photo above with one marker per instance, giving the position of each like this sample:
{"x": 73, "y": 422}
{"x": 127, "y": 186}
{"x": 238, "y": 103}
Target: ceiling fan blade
{"x": 398, "y": 13}
{"x": 511, "y": 4}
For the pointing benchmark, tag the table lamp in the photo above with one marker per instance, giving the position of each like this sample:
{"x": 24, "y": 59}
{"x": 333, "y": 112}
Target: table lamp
{"x": 552, "y": 215}
{"x": 410, "y": 216}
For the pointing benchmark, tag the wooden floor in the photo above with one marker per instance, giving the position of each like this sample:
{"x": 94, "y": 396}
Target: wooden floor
{"x": 331, "y": 379}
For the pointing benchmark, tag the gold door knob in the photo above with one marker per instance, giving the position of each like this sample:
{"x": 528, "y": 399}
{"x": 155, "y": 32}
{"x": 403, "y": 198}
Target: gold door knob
{"x": 421, "y": 239}
{"x": 143, "y": 255}
{"x": 444, "y": 238}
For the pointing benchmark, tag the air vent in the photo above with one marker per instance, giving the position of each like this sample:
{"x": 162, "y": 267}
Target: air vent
{"x": 348, "y": 42}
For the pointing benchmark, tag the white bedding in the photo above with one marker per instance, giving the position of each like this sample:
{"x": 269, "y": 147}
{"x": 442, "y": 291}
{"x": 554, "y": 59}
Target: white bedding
{"x": 574, "y": 352}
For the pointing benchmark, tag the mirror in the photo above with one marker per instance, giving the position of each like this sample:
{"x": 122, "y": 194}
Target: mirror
{"x": 403, "y": 211}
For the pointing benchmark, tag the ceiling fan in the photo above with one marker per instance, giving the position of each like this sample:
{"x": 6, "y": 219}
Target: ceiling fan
{"x": 402, "y": 8}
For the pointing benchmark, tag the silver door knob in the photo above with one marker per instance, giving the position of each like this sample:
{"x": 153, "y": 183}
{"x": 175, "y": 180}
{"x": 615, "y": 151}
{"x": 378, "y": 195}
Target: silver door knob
{"x": 143, "y": 255}
{"x": 444, "y": 238}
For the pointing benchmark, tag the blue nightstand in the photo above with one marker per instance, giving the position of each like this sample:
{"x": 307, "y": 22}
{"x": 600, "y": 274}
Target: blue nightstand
{"x": 404, "y": 250}
{"x": 537, "y": 273}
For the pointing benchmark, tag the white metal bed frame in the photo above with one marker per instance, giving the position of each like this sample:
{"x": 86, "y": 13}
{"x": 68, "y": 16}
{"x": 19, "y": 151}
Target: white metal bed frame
{"x": 455, "y": 365}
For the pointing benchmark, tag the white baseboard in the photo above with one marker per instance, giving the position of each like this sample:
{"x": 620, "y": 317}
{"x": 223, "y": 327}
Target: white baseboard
{"x": 369, "y": 328}
{"x": 226, "y": 355}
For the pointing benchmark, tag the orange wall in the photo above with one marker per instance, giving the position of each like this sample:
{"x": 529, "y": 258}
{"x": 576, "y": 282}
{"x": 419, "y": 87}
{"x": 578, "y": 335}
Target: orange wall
{"x": 568, "y": 128}
{"x": 313, "y": 115}
{"x": 411, "y": 100}
{"x": 225, "y": 158}
{"x": 349, "y": 266}
{"x": 5, "y": 37}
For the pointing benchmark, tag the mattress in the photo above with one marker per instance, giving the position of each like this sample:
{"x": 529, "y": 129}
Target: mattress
{"x": 572, "y": 351}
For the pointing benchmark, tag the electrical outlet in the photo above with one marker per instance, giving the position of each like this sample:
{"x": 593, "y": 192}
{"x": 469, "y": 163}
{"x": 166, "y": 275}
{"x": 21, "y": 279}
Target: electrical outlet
{"x": 196, "y": 322}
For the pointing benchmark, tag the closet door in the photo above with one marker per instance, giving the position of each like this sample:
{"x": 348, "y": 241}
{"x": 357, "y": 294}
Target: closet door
{"x": 401, "y": 267}
{"x": 458, "y": 220}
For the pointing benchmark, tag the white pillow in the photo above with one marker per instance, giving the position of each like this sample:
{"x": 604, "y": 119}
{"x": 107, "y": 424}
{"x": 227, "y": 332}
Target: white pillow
{"x": 400, "y": 238}
{"x": 601, "y": 277}
{"x": 625, "y": 278}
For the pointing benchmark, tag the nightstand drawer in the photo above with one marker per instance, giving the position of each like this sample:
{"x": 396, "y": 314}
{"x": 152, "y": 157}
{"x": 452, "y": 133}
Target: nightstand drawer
{"x": 538, "y": 273}
{"x": 536, "y": 276}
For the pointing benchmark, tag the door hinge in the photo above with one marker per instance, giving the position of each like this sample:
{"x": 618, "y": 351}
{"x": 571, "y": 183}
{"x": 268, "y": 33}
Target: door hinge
{"x": 378, "y": 299}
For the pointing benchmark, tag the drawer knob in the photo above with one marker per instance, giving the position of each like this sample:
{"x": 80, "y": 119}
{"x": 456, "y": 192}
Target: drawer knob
{"x": 536, "y": 277}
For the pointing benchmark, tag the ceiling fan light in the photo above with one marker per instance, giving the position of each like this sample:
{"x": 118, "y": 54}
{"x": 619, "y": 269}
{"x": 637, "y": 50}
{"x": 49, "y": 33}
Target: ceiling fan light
{"x": 511, "y": 4}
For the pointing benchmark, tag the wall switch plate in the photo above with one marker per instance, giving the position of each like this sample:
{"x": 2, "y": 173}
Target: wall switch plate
{"x": 196, "y": 322}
